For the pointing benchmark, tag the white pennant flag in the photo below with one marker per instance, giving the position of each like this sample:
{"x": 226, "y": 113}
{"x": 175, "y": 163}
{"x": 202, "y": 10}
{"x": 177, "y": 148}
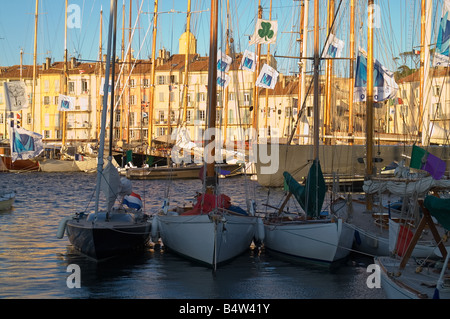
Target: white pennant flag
{"x": 66, "y": 103}
{"x": 333, "y": 47}
{"x": 265, "y": 32}
{"x": 248, "y": 61}
{"x": 267, "y": 78}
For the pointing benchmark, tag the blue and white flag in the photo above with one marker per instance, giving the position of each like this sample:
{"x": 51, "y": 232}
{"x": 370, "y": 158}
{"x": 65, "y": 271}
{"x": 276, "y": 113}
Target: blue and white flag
{"x": 248, "y": 61}
{"x": 267, "y": 78}
{"x": 442, "y": 53}
{"x": 384, "y": 86}
{"x": 333, "y": 47}
{"x": 66, "y": 103}
{"x": 25, "y": 144}
{"x": 223, "y": 62}
{"x": 223, "y": 80}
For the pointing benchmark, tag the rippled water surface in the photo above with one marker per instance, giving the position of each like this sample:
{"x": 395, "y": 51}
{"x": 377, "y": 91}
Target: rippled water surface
{"x": 33, "y": 262}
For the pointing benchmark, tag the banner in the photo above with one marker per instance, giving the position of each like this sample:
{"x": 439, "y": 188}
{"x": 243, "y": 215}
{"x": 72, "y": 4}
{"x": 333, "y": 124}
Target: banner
{"x": 15, "y": 95}
{"x": 223, "y": 81}
{"x": 333, "y": 47}
{"x": 25, "y": 144}
{"x": 267, "y": 78}
{"x": 442, "y": 53}
{"x": 424, "y": 160}
{"x": 66, "y": 103}
{"x": 248, "y": 61}
{"x": 384, "y": 84}
{"x": 223, "y": 62}
{"x": 265, "y": 32}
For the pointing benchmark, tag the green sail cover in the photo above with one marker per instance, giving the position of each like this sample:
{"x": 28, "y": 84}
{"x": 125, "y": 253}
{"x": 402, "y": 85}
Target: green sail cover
{"x": 311, "y": 196}
{"x": 439, "y": 208}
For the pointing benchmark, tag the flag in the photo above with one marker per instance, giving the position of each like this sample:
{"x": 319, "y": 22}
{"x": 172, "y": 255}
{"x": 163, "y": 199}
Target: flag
{"x": 442, "y": 53}
{"x": 133, "y": 201}
{"x": 385, "y": 86}
{"x": 267, "y": 77}
{"x": 25, "y": 144}
{"x": 248, "y": 61}
{"x": 265, "y": 32}
{"x": 333, "y": 47}
{"x": 422, "y": 159}
{"x": 66, "y": 103}
{"x": 223, "y": 81}
{"x": 223, "y": 62}
{"x": 16, "y": 95}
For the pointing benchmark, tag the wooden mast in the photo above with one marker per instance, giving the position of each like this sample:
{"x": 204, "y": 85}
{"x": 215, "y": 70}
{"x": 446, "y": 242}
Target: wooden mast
{"x": 152, "y": 85}
{"x": 255, "y": 76}
{"x": 267, "y": 90}
{"x": 351, "y": 71}
{"x": 329, "y": 74}
{"x": 33, "y": 104}
{"x": 227, "y": 52}
{"x": 100, "y": 59}
{"x": 422, "y": 65}
{"x": 210, "y": 181}
{"x": 186, "y": 63}
{"x": 369, "y": 101}
{"x": 122, "y": 102}
{"x": 65, "y": 77}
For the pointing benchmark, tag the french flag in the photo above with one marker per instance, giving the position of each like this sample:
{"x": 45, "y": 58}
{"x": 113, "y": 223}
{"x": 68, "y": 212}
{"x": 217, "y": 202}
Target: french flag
{"x": 133, "y": 201}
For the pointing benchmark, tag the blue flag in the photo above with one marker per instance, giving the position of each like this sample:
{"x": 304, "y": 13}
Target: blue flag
{"x": 384, "y": 86}
{"x": 442, "y": 53}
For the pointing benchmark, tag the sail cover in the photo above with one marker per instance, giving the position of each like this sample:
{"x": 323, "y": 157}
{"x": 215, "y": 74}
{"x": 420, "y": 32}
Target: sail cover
{"x": 311, "y": 196}
{"x": 439, "y": 208}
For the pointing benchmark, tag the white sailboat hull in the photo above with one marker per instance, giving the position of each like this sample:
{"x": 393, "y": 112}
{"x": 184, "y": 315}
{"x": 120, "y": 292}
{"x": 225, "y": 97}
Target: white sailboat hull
{"x": 318, "y": 241}
{"x": 209, "y": 239}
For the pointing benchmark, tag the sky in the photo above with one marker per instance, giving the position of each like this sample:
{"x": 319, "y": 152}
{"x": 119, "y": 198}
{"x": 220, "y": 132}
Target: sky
{"x": 399, "y": 30}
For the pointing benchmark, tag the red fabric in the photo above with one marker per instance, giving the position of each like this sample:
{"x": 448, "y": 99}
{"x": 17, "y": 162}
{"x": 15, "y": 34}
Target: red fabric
{"x": 405, "y": 236}
{"x": 207, "y": 202}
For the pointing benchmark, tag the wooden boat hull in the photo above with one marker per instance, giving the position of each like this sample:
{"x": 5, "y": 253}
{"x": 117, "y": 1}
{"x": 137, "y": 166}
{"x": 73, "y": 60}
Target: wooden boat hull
{"x": 316, "y": 241}
{"x": 188, "y": 172}
{"x": 19, "y": 165}
{"x": 410, "y": 284}
{"x": 103, "y": 240}
{"x": 208, "y": 239}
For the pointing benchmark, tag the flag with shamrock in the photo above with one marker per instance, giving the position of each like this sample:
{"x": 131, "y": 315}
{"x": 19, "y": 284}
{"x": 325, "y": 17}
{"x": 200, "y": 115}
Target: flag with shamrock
{"x": 265, "y": 32}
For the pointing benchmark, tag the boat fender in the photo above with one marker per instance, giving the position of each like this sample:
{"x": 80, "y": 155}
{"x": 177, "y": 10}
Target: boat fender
{"x": 62, "y": 227}
{"x": 260, "y": 234}
{"x": 155, "y": 230}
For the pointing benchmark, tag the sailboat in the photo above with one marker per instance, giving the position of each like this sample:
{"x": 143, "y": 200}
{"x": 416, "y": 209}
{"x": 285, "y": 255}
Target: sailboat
{"x": 212, "y": 231}
{"x": 309, "y": 234}
{"x": 385, "y": 227}
{"x": 7, "y": 199}
{"x": 408, "y": 278}
{"x": 115, "y": 230}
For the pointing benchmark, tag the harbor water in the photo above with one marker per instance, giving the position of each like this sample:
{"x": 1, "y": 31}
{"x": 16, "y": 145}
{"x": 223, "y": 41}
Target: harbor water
{"x": 35, "y": 264}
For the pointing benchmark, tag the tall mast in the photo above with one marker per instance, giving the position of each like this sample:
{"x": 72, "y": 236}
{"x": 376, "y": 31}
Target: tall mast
{"x": 212, "y": 97}
{"x": 186, "y": 62}
{"x": 64, "y": 76}
{"x": 369, "y": 100}
{"x": 129, "y": 69}
{"x": 100, "y": 59}
{"x": 113, "y": 76}
{"x": 267, "y": 90}
{"x": 316, "y": 81}
{"x": 255, "y": 74}
{"x": 422, "y": 64}
{"x": 329, "y": 73}
{"x": 152, "y": 85}
{"x": 351, "y": 70}
{"x": 123, "y": 73}
{"x": 33, "y": 104}
{"x": 227, "y": 52}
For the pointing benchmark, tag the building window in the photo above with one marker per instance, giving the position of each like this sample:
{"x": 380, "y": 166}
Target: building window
{"x": 1, "y": 118}
{"x": 146, "y": 83}
{"x": 231, "y": 96}
{"x": 161, "y": 79}
{"x": 132, "y": 119}
{"x": 247, "y": 98}
{"x": 201, "y": 115}
{"x": 46, "y": 100}
{"x": 71, "y": 87}
{"x": 287, "y": 111}
{"x": 132, "y": 99}
{"x": 84, "y": 86}
{"x": 161, "y": 116}
{"x": 188, "y": 116}
{"x": 437, "y": 90}
{"x": 47, "y": 134}
{"x": 132, "y": 83}
{"x": 173, "y": 79}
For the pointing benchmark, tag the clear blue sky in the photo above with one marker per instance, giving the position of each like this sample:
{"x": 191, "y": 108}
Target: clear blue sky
{"x": 399, "y": 31}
